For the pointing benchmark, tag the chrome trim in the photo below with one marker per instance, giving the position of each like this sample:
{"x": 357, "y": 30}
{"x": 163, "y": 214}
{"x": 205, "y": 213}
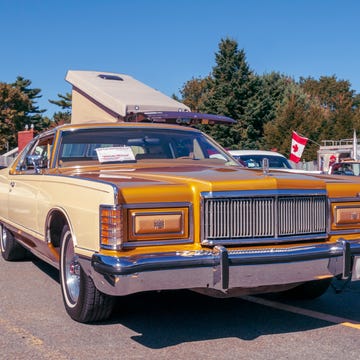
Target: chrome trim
{"x": 344, "y": 199}
{"x": 31, "y": 243}
{"x": 347, "y": 261}
{"x": 135, "y": 214}
{"x": 267, "y": 240}
{"x": 119, "y": 245}
{"x": 174, "y": 241}
{"x": 265, "y": 166}
{"x": 220, "y": 268}
{"x": 220, "y": 210}
{"x": 344, "y": 231}
{"x": 114, "y": 187}
{"x": 48, "y": 221}
{"x": 261, "y": 193}
{"x": 137, "y": 243}
{"x": 157, "y": 205}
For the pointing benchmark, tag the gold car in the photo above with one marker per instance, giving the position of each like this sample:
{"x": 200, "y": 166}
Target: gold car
{"x": 129, "y": 207}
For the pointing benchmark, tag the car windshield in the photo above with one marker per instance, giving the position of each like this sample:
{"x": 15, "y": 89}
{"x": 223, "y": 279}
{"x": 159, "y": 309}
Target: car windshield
{"x": 255, "y": 161}
{"x": 123, "y": 144}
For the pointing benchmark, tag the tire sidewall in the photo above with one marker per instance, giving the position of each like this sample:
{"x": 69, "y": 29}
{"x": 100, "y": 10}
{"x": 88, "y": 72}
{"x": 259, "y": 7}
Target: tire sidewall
{"x": 2, "y": 241}
{"x": 72, "y": 307}
{"x": 10, "y": 249}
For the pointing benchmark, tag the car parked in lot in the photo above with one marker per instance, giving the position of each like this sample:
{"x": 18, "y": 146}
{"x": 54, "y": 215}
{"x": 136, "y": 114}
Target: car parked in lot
{"x": 254, "y": 158}
{"x": 346, "y": 167}
{"x": 121, "y": 208}
{"x": 130, "y": 197}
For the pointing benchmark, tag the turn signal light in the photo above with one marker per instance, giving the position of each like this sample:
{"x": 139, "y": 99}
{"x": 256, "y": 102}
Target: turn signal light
{"x": 111, "y": 227}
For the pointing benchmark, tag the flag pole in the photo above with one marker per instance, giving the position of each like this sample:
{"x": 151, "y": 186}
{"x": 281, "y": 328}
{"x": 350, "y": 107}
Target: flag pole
{"x": 355, "y": 146}
{"x": 310, "y": 140}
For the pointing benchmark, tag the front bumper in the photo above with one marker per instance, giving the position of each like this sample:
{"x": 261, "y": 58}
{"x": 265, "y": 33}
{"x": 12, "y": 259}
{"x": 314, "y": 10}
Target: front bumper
{"x": 223, "y": 269}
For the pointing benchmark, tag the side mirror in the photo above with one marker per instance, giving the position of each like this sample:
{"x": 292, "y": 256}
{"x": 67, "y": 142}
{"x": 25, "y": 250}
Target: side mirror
{"x": 37, "y": 162}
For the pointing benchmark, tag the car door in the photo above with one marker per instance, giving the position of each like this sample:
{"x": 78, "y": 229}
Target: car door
{"x": 25, "y": 183}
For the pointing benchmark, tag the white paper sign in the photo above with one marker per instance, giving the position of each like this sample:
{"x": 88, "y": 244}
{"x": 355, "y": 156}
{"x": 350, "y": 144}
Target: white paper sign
{"x": 109, "y": 154}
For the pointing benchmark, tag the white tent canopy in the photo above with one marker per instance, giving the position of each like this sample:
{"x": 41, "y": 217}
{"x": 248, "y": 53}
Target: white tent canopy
{"x": 103, "y": 96}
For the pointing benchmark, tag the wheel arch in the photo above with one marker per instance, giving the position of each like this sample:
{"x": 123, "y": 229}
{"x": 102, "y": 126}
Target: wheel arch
{"x": 56, "y": 219}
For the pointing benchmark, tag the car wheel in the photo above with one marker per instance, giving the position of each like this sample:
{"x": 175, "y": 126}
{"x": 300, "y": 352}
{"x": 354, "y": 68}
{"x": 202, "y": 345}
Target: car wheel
{"x": 83, "y": 301}
{"x": 307, "y": 291}
{"x": 11, "y": 250}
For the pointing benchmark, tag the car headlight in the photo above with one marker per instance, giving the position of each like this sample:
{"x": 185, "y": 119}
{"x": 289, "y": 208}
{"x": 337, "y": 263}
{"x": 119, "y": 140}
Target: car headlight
{"x": 158, "y": 224}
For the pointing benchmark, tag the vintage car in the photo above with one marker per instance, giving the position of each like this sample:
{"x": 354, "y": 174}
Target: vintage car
{"x": 128, "y": 207}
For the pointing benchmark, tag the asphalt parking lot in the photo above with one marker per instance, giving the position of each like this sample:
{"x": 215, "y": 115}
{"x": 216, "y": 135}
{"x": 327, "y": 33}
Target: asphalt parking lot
{"x": 173, "y": 325}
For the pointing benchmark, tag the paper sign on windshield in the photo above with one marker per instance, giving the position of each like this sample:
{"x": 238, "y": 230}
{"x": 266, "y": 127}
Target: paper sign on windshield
{"x": 109, "y": 154}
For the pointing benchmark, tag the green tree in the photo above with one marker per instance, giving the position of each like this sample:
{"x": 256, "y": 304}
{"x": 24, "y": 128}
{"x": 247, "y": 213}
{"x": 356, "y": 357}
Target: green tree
{"x": 264, "y": 105}
{"x": 64, "y": 101}
{"x": 230, "y": 88}
{"x": 32, "y": 113}
{"x": 339, "y": 102}
{"x": 14, "y": 105}
{"x": 234, "y": 90}
{"x": 62, "y": 117}
{"x": 193, "y": 93}
{"x": 268, "y": 107}
{"x": 298, "y": 112}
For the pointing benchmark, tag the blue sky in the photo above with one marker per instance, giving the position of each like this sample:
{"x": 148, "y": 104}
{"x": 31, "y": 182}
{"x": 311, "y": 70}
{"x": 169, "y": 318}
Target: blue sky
{"x": 166, "y": 43}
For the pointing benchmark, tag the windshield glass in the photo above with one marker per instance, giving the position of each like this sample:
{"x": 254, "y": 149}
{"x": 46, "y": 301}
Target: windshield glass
{"x": 124, "y": 144}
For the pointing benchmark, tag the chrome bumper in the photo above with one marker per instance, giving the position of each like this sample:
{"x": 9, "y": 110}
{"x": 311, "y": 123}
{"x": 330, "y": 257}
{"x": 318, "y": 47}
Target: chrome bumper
{"x": 223, "y": 269}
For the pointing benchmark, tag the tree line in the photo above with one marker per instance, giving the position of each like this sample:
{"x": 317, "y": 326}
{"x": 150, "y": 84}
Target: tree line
{"x": 266, "y": 107}
{"x": 19, "y": 110}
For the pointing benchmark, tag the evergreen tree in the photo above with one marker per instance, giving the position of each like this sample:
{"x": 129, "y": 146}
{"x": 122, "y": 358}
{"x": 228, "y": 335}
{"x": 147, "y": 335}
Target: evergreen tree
{"x": 32, "y": 114}
{"x": 339, "y": 102}
{"x": 298, "y": 112}
{"x": 64, "y": 101}
{"x": 231, "y": 85}
{"x": 62, "y": 117}
{"x": 234, "y": 90}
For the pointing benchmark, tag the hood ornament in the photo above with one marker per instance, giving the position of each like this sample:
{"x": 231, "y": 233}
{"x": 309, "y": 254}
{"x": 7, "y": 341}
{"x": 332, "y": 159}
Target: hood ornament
{"x": 265, "y": 166}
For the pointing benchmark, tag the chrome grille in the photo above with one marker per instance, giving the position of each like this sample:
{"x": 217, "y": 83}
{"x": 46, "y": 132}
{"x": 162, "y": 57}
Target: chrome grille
{"x": 260, "y": 219}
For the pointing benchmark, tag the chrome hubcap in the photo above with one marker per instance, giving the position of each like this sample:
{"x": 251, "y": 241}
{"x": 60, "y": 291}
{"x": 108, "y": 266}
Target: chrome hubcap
{"x": 72, "y": 273}
{"x": 3, "y": 238}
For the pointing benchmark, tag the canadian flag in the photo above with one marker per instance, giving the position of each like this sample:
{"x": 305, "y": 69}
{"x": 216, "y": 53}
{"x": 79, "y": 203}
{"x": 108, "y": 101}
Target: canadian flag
{"x": 297, "y": 147}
